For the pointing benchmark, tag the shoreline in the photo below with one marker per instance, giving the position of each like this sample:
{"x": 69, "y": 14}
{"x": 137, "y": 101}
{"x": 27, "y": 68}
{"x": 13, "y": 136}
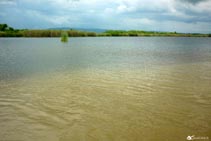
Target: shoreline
{"x": 107, "y": 36}
{"x": 8, "y": 31}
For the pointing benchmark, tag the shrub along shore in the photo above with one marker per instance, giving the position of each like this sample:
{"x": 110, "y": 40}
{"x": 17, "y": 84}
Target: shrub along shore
{"x": 6, "y": 31}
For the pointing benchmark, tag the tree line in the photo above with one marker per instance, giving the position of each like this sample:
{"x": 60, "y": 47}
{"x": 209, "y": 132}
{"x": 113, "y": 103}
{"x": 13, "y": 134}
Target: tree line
{"x": 152, "y": 33}
{"x": 7, "y": 31}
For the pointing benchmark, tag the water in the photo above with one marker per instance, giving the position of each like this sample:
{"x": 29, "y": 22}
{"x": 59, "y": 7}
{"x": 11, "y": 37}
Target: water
{"x": 107, "y": 89}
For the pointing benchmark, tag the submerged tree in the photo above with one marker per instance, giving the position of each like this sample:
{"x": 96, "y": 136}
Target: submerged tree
{"x": 64, "y": 36}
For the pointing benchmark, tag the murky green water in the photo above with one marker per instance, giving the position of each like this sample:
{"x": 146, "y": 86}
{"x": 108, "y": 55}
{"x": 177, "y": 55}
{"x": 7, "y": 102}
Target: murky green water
{"x": 105, "y": 89}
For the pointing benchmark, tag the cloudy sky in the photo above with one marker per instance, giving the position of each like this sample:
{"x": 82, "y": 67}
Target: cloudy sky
{"x": 156, "y": 15}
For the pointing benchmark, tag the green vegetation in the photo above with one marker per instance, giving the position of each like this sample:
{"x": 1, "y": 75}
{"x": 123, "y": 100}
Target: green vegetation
{"x": 6, "y": 31}
{"x": 4, "y": 27}
{"x": 151, "y": 33}
{"x": 64, "y": 36}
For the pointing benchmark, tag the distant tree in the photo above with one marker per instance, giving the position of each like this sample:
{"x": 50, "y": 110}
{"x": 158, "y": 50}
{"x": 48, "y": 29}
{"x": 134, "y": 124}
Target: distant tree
{"x": 3, "y": 27}
{"x": 11, "y": 29}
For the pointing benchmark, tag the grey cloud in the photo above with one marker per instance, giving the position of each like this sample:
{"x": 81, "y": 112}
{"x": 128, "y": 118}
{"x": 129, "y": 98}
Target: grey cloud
{"x": 89, "y": 13}
{"x": 7, "y": 1}
{"x": 192, "y": 1}
{"x": 3, "y": 1}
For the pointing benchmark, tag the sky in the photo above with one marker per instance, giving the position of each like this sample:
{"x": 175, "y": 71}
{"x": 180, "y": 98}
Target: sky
{"x": 192, "y": 16}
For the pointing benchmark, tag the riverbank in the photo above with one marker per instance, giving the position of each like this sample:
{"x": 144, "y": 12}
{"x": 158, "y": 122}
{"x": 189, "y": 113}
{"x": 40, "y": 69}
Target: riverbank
{"x": 7, "y": 31}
